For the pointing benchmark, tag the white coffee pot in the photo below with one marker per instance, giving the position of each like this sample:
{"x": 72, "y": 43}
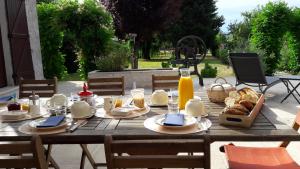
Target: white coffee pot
{"x": 81, "y": 109}
{"x": 195, "y": 107}
{"x": 57, "y": 99}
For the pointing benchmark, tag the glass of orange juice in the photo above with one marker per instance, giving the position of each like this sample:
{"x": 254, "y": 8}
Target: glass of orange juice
{"x": 118, "y": 102}
{"x": 138, "y": 97}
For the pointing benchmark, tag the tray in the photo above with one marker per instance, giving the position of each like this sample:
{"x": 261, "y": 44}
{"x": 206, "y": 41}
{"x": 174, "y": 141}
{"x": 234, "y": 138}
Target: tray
{"x": 242, "y": 120}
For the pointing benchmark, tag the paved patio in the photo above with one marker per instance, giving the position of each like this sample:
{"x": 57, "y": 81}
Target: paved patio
{"x": 68, "y": 156}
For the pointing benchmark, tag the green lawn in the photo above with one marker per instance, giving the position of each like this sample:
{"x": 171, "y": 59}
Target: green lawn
{"x": 223, "y": 70}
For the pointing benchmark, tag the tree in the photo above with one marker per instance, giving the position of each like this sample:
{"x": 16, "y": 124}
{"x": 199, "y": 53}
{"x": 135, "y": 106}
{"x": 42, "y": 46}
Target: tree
{"x": 144, "y": 18}
{"x": 268, "y": 28}
{"x": 198, "y": 17}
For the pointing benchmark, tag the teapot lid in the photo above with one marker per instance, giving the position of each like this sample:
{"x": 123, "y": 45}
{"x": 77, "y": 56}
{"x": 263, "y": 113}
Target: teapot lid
{"x": 85, "y": 91}
{"x": 34, "y": 96}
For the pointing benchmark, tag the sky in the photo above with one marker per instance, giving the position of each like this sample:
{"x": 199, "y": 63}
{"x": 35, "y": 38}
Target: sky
{"x": 231, "y": 9}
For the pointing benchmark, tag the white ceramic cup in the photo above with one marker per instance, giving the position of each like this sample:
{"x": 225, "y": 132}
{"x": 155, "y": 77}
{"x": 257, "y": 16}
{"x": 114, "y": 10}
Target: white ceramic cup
{"x": 108, "y": 104}
{"x": 195, "y": 107}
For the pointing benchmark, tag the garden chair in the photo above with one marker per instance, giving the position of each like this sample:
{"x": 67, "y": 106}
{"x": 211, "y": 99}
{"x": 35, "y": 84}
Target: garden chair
{"x": 164, "y": 82}
{"x": 12, "y": 154}
{"x": 43, "y": 88}
{"x": 101, "y": 87}
{"x": 160, "y": 153}
{"x": 261, "y": 158}
{"x": 107, "y": 86}
{"x": 248, "y": 70}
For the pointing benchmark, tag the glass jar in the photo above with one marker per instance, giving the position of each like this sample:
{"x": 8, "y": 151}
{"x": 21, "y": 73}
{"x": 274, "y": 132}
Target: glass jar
{"x": 34, "y": 104}
{"x": 185, "y": 88}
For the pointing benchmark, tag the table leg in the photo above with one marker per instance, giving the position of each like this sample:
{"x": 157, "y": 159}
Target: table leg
{"x": 86, "y": 153}
{"x": 294, "y": 88}
{"x": 287, "y": 85}
{"x": 50, "y": 161}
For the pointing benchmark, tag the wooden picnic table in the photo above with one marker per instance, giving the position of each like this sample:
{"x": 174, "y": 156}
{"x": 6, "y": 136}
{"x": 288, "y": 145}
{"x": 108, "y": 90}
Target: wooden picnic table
{"x": 266, "y": 127}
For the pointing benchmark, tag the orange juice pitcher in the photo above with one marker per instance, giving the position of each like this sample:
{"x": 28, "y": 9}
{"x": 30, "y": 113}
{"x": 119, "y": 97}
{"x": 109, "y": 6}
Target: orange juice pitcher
{"x": 185, "y": 88}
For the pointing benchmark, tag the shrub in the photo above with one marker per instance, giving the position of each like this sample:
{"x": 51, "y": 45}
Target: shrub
{"x": 209, "y": 71}
{"x": 116, "y": 59}
{"x": 222, "y": 54}
{"x": 72, "y": 28}
{"x": 289, "y": 52}
{"x": 51, "y": 36}
{"x": 267, "y": 32}
{"x": 165, "y": 64}
{"x": 93, "y": 31}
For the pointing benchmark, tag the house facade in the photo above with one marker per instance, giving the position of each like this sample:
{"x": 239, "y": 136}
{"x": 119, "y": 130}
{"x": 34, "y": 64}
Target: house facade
{"x": 20, "y": 53}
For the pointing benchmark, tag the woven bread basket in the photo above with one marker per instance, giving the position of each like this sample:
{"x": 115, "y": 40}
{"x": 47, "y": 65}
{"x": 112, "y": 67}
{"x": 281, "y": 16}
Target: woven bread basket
{"x": 217, "y": 92}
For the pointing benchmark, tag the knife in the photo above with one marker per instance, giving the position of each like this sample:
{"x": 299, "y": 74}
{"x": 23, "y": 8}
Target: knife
{"x": 77, "y": 124}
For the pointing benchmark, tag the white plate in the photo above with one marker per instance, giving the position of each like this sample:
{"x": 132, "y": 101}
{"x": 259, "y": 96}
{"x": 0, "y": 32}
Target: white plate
{"x": 202, "y": 115}
{"x": 13, "y": 115}
{"x": 188, "y": 121}
{"x": 37, "y": 122}
{"x": 158, "y": 105}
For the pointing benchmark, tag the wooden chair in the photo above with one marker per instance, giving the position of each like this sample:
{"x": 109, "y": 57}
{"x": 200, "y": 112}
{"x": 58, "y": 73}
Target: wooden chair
{"x": 164, "y": 82}
{"x": 33, "y": 149}
{"x": 43, "y": 88}
{"x": 107, "y": 86}
{"x": 160, "y": 153}
{"x": 260, "y": 157}
{"x": 101, "y": 87}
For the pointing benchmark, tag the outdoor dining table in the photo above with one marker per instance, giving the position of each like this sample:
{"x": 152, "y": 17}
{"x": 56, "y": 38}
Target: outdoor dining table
{"x": 266, "y": 127}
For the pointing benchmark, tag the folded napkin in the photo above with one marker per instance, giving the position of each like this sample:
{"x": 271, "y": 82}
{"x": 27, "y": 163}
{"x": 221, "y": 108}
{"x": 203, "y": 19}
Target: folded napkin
{"x": 7, "y": 98}
{"x": 52, "y": 121}
{"x": 174, "y": 120}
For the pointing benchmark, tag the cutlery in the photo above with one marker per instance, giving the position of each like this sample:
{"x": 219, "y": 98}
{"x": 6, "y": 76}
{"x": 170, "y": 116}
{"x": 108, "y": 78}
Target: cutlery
{"x": 76, "y": 124}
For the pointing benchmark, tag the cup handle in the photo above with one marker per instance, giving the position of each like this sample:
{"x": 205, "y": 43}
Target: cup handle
{"x": 48, "y": 103}
{"x": 207, "y": 109}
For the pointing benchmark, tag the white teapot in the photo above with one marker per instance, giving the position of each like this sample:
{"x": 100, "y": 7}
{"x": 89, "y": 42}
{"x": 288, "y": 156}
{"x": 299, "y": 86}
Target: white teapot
{"x": 57, "y": 99}
{"x": 195, "y": 107}
{"x": 81, "y": 109}
{"x": 159, "y": 97}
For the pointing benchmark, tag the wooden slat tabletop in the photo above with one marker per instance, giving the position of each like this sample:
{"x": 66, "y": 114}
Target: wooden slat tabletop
{"x": 263, "y": 129}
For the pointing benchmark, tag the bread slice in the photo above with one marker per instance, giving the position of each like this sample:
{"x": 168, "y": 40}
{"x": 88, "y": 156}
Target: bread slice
{"x": 235, "y": 95}
{"x": 249, "y": 105}
{"x": 229, "y": 101}
{"x": 233, "y": 111}
{"x": 240, "y": 108}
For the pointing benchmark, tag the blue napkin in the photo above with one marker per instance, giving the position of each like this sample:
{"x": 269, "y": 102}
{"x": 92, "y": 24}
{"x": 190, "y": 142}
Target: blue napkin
{"x": 7, "y": 98}
{"x": 52, "y": 121}
{"x": 174, "y": 120}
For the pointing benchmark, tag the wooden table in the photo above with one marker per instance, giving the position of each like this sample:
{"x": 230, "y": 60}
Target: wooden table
{"x": 265, "y": 128}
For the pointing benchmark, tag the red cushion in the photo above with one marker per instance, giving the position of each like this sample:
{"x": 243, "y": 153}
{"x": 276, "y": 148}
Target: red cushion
{"x": 259, "y": 158}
